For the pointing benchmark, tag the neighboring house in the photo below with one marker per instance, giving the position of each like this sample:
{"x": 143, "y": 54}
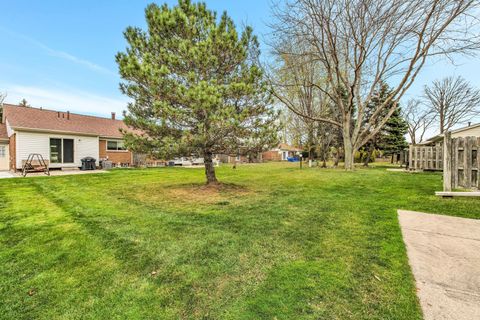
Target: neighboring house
{"x": 241, "y": 158}
{"x": 4, "y": 151}
{"x": 62, "y": 138}
{"x": 428, "y": 154}
{"x": 472, "y": 130}
{"x": 281, "y": 153}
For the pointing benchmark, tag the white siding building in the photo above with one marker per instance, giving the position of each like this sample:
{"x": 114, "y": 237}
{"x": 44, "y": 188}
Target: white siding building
{"x": 61, "y": 138}
{"x": 39, "y": 142}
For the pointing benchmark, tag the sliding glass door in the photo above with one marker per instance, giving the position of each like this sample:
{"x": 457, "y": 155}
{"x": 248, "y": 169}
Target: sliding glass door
{"x": 55, "y": 150}
{"x": 61, "y": 150}
{"x": 67, "y": 150}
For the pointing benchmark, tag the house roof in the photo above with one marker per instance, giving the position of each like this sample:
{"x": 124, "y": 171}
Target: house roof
{"x": 29, "y": 118}
{"x": 3, "y": 131}
{"x": 284, "y": 146}
{"x": 439, "y": 137}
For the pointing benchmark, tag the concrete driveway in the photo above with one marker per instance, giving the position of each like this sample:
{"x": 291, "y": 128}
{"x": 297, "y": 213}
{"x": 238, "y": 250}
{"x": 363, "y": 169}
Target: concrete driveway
{"x": 6, "y": 174}
{"x": 444, "y": 253}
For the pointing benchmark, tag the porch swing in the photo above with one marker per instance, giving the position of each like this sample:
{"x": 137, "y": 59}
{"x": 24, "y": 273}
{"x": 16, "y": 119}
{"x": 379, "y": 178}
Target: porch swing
{"x": 35, "y": 163}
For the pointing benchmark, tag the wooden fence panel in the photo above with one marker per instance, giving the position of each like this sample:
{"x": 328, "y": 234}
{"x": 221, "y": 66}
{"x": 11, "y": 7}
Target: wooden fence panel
{"x": 465, "y": 163}
{"x": 425, "y": 157}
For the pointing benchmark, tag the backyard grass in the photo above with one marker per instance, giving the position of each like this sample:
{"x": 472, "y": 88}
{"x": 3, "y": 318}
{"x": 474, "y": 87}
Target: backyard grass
{"x": 274, "y": 242}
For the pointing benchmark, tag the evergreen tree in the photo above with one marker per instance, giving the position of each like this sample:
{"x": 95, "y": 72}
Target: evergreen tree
{"x": 23, "y": 103}
{"x": 2, "y": 98}
{"x": 391, "y": 138}
{"x": 196, "y": 86}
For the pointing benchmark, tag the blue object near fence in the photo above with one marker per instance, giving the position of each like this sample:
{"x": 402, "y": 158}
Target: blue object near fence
{"x": 293, "y": 159}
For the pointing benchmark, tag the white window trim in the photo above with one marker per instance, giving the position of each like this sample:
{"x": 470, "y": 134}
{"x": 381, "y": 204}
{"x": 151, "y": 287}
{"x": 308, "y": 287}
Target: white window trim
{"x": 117, "y": 141}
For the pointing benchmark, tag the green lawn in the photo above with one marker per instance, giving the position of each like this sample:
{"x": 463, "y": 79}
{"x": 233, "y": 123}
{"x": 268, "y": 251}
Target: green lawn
{"x": 275, "y": 243}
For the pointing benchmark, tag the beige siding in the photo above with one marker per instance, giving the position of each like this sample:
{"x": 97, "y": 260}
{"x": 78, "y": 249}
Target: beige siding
{"x": 4, "y": 156}
{"x": 471, "y": 132}
{"x": 34, "y": 142}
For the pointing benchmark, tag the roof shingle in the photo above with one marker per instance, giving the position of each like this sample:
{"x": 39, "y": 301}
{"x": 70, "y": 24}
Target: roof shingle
{"x": 3, "y": 131}
{"x": 48, "y": 120}
{"x": 284, "y": 146}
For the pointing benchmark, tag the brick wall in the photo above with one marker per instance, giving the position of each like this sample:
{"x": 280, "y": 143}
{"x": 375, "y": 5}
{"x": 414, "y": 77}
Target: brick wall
{"x": 120, "y": 157}
{"x": 12, "y": 149}
{"x": 271, "y": 156}
{"x": 102, "y": 152}
{"x": 114, "y": 156}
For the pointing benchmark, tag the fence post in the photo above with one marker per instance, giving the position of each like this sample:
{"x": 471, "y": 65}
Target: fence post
{"x": 467, "y": 160}
{"x": 447, "y": 162}
{"x": 409, "y": 163}
{"x": 422, "y": 151}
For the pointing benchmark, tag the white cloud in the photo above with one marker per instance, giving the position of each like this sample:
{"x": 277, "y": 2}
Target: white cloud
{"x": 60, "y": 54}
{"x": 67, "y": 56}
{"x": 65, "y": 100}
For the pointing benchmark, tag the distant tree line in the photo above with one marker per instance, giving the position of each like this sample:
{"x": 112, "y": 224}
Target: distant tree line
{"x": 340, "y": 67}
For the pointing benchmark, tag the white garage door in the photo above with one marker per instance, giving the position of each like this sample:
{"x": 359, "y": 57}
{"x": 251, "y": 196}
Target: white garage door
{"x": 4, "y": 157}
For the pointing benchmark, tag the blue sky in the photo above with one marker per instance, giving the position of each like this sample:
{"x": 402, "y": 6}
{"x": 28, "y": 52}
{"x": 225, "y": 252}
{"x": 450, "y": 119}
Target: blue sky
{"x": 61, "y": 54}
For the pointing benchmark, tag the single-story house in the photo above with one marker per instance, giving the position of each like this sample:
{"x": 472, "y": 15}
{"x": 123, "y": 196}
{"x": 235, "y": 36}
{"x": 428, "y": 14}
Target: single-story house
{"x": 428, "y": 154}
{"x": 281, "y": 153}
{"x": 4, "y": 152}
{"x": 241, "y": 158}
{"x": 472, "y": 130}
{"x": 62, "y": 138}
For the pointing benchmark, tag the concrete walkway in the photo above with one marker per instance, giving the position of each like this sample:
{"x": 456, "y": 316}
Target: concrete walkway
{"x": 444, "y": 253}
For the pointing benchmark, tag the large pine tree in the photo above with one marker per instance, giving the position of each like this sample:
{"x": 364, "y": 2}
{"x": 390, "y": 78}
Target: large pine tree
{"x": 196, "y": 86}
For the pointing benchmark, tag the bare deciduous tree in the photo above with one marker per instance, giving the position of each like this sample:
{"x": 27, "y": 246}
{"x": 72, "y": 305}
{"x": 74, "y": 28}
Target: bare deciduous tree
{"x": 2, "y": 98}
{"x": 452, "y": 101}
{"x": 360, "y": 43}
{"x": 419, "y": 118}
{"x": 293, "y": 80}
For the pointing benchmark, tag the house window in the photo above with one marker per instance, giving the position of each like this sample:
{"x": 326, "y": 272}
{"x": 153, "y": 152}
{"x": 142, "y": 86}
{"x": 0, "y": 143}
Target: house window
{"x": 114, "y": 145}
{"x": 237, "y": 158}
{"x": 61, "y": 150}
{"x": 3, "y": 151}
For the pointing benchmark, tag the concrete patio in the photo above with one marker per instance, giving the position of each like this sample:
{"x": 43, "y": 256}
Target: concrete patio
{"x": 444, "y": 253}
{"x": 10, "y": 174}
{"x": 6, "y": 174}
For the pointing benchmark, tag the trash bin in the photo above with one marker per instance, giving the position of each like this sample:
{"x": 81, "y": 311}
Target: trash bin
{"x": 88, "y": 163}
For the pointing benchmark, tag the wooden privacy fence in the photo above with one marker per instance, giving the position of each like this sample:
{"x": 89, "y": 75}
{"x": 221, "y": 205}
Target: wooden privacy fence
{"x": 425, "y": 157}
{"x": 142, "y": 160}
{"x": 462, "y": 163}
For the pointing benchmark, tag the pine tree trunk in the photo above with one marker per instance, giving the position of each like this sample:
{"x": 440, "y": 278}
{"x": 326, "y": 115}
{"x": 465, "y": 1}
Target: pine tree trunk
{"x": 209, "y": 169}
